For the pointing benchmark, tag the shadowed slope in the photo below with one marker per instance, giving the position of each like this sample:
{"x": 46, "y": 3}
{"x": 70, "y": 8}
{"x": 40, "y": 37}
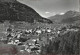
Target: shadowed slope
{"x": 16, "y": 11}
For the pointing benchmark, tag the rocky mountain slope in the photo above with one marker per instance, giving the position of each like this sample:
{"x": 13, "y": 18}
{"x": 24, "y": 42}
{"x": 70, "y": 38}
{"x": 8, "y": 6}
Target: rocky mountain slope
{"x": 13, "y": 10}
{"x": 68, "y": 17}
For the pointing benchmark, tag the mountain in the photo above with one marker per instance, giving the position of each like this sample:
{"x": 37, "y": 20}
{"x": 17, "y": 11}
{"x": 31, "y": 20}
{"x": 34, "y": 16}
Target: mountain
{"x": 71, "y": 19}
{"x": 56, "y": 18}
{"x": 13, "y": 10}
{"x": 68, "y": 17}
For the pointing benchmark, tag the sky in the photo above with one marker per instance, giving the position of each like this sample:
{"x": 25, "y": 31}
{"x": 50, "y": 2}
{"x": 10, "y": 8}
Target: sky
{"x": 47, "y": 8}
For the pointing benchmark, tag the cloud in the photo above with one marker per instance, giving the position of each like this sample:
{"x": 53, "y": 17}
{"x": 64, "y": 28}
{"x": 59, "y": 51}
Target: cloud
{"x": 52, "y": 7}
{"x": 47, "y": 12}
{"x": 61, "y": 13}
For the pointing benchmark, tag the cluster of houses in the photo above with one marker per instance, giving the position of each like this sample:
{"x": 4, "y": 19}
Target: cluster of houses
{"x": 22, "y": 38}
{"x": 28, "y": 40}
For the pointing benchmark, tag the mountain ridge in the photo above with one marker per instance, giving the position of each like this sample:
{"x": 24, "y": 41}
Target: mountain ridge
{"x": 16, "y": 11}
{"x": 69, "y": 15}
